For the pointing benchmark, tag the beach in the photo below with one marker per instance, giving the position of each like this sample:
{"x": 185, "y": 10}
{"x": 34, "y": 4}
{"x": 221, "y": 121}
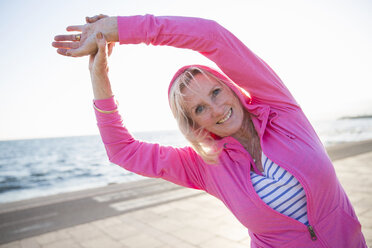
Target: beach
{"x": 155, "y": 213}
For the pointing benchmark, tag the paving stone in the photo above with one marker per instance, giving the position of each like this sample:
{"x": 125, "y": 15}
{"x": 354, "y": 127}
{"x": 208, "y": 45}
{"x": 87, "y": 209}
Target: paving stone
{"x": 145, "y": 214}
{"x": 127, "y": 219}
{"x": 368, "y": 235}
{"x": 161, "y": 208}
{"x": 63, "y": 244}
{"x": 246, "y": 241}
{"x": 107, "y": 222}
{"x": 15, "y": 244}
{"x": 120, "y": 231}
{"x": 141, "y": 241}
{"x": 180, "y": 216}
{"x": 202, "y": 223}
{"x": 85, "y": 232}
{"x": 52, "y": 237}
{"x": 102, "y": 242}
{"x": 229, "y": 218}
{"x": 185, "y": 205}
{"x": 358, "y": 190}
{"x": 366, "y": 223}
{"x": 218, "y": 242}
{"x": 360, "y": 209}
{"x": 193, "y": 235}
{"x": 368, "y": 213}
{"x": 30, "y": 243}
{"x": 167, "y": 224}
{"x": 210, "y": 213}
{"x": 145, "y": 228}
{"x": 172, "y": 241}
{"x": 232, "y": 232}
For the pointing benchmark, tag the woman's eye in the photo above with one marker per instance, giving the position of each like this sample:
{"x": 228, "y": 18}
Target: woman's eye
{"x": 199, "y": 109}
{"x": 216, "y": 92}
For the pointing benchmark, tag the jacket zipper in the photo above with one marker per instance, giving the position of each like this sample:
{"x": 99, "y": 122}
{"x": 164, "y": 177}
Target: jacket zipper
{"x": 312, "y": 233}
{"x": 309, "y": 227}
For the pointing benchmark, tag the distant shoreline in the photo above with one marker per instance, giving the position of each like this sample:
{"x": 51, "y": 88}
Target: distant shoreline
{"x": 356, "y": 117}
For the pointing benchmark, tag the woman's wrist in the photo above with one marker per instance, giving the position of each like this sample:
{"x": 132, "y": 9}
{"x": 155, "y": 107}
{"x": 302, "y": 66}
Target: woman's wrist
{"x": 101, "y": 86}
{"x": 100, "y": 92}
{"x": 106, "y": 106}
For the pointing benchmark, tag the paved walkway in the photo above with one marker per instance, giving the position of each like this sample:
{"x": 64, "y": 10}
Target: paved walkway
{"x": 200, "y": 221}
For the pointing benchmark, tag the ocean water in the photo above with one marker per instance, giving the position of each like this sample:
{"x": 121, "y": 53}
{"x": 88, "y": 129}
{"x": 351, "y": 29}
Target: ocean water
{"x": 41, "y": 167}
{"x": 339, "y": 131}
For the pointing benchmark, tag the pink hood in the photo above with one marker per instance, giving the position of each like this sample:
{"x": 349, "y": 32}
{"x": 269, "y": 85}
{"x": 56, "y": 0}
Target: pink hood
{"x": 243, "y": 95}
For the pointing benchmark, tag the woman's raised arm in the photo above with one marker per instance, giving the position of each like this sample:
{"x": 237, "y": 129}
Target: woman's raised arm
{"x": 202, "y": 35}
{"x": 216, "y": 43}
{"x": 178, "y": 165}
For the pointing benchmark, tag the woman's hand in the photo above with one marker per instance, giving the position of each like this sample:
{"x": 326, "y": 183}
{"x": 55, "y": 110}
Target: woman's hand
{"x": 78, "y": 45}
{"x": 110, "y": 45}
{"x": 98, "y": 68}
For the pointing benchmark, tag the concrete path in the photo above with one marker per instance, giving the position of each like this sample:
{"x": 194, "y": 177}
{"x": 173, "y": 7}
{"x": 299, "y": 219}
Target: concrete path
{"x": 198, "y": 221}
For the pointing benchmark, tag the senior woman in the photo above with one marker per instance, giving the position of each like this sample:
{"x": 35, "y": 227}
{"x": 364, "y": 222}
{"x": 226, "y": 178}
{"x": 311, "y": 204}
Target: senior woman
{"x": 252, "y": 146}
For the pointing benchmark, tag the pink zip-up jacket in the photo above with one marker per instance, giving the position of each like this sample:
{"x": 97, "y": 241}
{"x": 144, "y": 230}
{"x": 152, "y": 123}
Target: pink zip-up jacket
{"x": 286, "y": 136}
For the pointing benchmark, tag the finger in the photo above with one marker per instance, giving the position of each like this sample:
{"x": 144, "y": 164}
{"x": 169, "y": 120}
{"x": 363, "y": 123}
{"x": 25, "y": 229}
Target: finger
{"x": 95, "y": 18}
{"x": 101, "y": 56}
{"x": 66, "y": 45}
{"x": 101, "y": 43}
{"x": 88, "y": 19}
{"x": 100, "y": 16}
{"x": 78, "y": 52}
{"x": 63, "y": 37}
{"x": 62, "y": 51}
{"x": 91, "y": 19}
{"x": 110, "y": 48}
{"x": 75, "y": 52}
{"x": 67, "y": 37}
{"x": 75, "y": 28}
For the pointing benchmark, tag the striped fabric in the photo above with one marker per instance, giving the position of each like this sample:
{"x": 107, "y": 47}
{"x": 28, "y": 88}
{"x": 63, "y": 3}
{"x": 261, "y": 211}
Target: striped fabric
{"x": 280, "y": 190}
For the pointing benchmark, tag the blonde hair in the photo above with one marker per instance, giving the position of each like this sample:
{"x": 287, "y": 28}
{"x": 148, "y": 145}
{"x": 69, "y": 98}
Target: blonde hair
{"x": 201, "y": 140}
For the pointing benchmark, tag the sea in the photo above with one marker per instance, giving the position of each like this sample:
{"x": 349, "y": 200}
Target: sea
{"x": 42, "y": 167}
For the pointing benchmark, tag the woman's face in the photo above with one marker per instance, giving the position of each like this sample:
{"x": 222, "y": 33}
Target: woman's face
{"x": 213, "y": 106}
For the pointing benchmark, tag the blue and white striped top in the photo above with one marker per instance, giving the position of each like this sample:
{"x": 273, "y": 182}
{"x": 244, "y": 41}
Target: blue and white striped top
{"x": 280, "y": 190}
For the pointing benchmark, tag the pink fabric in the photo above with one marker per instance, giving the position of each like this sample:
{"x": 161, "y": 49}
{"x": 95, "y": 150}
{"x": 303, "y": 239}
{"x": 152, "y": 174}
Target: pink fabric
{"x": 286, "y": 135}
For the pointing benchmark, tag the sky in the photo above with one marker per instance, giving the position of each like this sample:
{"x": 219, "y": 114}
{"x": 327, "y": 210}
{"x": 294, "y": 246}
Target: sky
{"x": 321, "y": 50}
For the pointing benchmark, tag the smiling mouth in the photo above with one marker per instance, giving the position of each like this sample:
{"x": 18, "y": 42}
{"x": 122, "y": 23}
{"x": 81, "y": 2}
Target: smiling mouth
{"x": 227, "y": 116}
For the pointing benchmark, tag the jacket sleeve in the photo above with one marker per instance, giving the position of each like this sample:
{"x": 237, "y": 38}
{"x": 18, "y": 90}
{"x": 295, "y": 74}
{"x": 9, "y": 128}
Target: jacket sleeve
{"x": 216, "y": 43}
{"x": 178, "y": 165}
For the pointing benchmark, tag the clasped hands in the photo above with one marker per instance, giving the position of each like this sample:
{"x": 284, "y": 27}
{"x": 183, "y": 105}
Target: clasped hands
{"x": 85, "y": 43}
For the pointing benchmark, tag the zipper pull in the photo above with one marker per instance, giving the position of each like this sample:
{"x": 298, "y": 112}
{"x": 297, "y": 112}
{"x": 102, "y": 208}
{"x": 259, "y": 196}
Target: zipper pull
{"x": 312, "y": 233}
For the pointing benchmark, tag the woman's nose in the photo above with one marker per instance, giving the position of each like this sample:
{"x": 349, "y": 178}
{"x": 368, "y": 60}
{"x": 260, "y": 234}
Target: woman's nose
{"x": 217, "y": 110}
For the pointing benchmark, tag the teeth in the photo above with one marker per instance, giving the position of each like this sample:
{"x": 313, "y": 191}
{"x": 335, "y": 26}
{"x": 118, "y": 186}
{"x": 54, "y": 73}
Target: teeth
{"x": 226, "y": 117}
